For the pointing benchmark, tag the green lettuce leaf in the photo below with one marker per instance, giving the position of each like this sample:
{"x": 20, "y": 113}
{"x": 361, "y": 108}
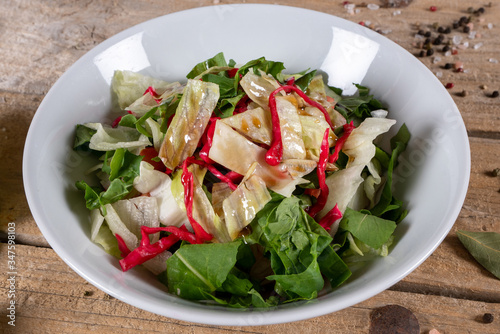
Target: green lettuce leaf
{"x": 82, "y": 137}
{"x": 356, "y": 106}
{"x": 371, "y": 230}
{"x": 217, "y": 60}
{"x": 194, "y": 270}
{"x": 387, "y": 201}
{"x": 122, "y": 167}
{"x": 298, "y": 248}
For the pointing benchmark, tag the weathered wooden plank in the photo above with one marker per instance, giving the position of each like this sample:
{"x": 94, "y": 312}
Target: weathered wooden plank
{"x": 52, "y": 298}
{"x": 16, "y": 112}
{"x": 41, "y": 44}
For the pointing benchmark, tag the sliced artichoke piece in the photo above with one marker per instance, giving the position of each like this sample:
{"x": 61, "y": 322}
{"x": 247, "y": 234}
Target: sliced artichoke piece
{"x": 254, "y": 124}
{"x": 243, "y": 204}
{"x": 189, "y": 123}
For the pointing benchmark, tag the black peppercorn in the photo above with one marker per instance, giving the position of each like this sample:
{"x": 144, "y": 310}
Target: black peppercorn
{"x": 437, "y": 41}
{"x": 427, "y": 41}
{"x": 447, "y": 30}
{"x": 455, "y": 25}
{"x": 422, "y": 53}
{"x": 421, "y": 32}
{"x": 466, "y": 29}
{"x": 447, "y": 66}
{"x": 446, "y": 48}
{"x": 480, "y": 10}
{"x": 488, "y": 318}
{"x": 494, "y": 94}
{"x": 440, "y": 29}
{"x": 427, "y": 34}
{"x": 430, "y": 52}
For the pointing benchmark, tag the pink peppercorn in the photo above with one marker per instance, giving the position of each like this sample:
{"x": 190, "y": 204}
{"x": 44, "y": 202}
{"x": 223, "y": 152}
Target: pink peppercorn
{"x": 433, "y": 8}
{"x": 449, "y": 85}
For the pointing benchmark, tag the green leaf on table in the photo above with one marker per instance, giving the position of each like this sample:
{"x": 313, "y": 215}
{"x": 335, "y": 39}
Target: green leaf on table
{"x": 484, "y": 247}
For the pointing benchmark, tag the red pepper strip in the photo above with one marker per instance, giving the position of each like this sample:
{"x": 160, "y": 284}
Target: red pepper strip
{"x": 213, "y": 170}
{"x": 290, "y": 81}
{"x": 332, "y": 215}
{"x": 312, "y": 192}
{"x": 116, "y": 122}
{"x": 149, "y": 153}
{"x": 118, "y": 119}
{"x": 313, "y": 103}
{"x": 323, "y": 158}
{"x": 207, "y": 140}
{"x": 340, "y": 142}
{"x": 151, "y": 91}
{"x": 242, "y": 105}
{"x": 234, "y": 177}
{"x": 146, "y": 251}
{"x": 232, "y": 72}
{"x": 187, "y": 180}
{"x": 275, "y": 152}
{"x": 181, "y": 232}
{"x": 122, "y": 246}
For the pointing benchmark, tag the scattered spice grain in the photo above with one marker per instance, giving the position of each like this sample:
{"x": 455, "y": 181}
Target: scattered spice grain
{"x": 488, "y": 318}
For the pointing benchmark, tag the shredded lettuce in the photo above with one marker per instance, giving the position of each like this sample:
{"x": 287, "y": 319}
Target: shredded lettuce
{"x": 128, "y": 86}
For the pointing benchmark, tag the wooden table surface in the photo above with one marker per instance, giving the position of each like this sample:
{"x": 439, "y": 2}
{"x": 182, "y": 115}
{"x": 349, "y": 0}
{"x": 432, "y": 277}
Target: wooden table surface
{"x": 39, "y": 40}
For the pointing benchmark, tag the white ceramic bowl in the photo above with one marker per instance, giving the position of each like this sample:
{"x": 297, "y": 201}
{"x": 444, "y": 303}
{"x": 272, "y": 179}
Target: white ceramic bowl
{"x": 433, "y": 173}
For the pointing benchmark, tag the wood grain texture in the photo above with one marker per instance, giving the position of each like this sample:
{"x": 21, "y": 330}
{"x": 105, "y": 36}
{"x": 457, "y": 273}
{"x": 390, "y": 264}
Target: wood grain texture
{"x": 39, "y": 40}
{"x": 54, "y": 299}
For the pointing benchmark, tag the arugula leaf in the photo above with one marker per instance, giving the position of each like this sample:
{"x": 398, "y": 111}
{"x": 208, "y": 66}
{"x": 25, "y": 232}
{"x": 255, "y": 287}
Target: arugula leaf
{"x": 357, "y": 106}
{"x": 217, "y": 60}
{"x": 398, "y": 145}
{"x": 131, "y": 121}
{"x": 122, "y": 168}
{"x": 167, "y": 110}
{"x": 371, "y": 230}
{"x": 226, "y": 106}
{"x": 303, "y": 81}
{"x": 253, "y": 298}
{"x": 128, "y": 120}
{"x": 235, "y": 285}
{"x": 333, "y": 267}
{"x": 484, "y": 247}
{"x": 92, "y": 195}
{"x": 140, "y": 122}
{"x": 82, "y": 138}
{"x": 273, "y": 68}
{"x": 303, "y": 285}
{"x": 195, "y": 270}
{"x": 123, "y": 164}
{"x": 226, "y": 84}
{"x": 298, "y": 247}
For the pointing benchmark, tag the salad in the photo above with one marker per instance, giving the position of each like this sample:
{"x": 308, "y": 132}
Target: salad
{"x": 243, "y": 185}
